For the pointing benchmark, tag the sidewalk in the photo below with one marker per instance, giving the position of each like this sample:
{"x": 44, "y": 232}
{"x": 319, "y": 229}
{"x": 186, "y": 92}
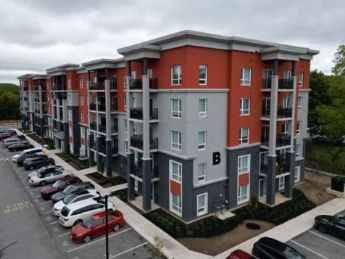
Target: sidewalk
{"x": 171, "y": 248}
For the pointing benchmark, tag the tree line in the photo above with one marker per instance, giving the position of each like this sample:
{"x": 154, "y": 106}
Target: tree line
{"x": 9, "y": 102}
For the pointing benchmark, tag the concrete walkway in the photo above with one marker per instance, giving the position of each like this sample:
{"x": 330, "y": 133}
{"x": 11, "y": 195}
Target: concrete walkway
{"x": 171, "y": 247}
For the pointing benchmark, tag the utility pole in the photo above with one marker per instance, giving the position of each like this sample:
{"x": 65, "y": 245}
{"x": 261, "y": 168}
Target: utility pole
{"x": 106, "y": 228}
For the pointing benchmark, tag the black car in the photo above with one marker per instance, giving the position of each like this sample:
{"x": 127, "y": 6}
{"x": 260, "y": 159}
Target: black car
{"x": 333, "y": 225}
{"x": 23, "y": 157}
{"x": 37, "y": 162}
{"x": 20, "y": 146}
{"x": 269, "y": 248}
{"x": 78, "y": 189}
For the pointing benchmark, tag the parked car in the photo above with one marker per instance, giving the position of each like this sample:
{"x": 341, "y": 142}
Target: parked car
{"x": 240, "y": 254}
{"x": 269, "y": 248}
{"x": 72, "y": 198}
{"x": 47, "y": 175}
{"x": 10, "y": 141}
{"x": 37, "y": 162}
{"x": 27, "y": 154}
{"x": 333, "y": 225}
{"x": 7, "y": 134}
{"x": 59, "y": 185}
{"x": 20, "y": 146}
{"x": 78, "y": 212}
{"x": 77, "y": 188}
{"x": 95, "y": 226}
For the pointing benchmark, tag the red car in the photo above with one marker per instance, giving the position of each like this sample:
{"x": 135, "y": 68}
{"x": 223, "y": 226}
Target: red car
{"x": 240, "y": 254}
{"x": 95, "y": 226}
{"x": 58, "y": 186}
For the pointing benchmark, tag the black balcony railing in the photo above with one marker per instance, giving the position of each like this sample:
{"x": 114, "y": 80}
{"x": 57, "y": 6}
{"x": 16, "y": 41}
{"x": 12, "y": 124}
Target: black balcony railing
{"x": 137, "y": 84}
{"x": 283, "y": 140}
{"x": 265, "y": 112}
{"x": 286, "y": 83}
{"x": 92, "y": 106}
{"x": 137, "y": 113}
{"x": 153, "y": 83}
{"x": 97, "y": 86}
{"x": 101, "y": 107}
{"x": 113, "y": 105}
{"x": 285, "y": 112}
{"x": 113, "y": 84}
{"x": 137, "y": 142}
{"x": 136, "y": 169}
{"x": 103, "y": 149}
{"x": 59, "y": 87}
{"x": 265, "y": 139}
{"x": 93, "y": 126}
{"x": 266, "y": 83}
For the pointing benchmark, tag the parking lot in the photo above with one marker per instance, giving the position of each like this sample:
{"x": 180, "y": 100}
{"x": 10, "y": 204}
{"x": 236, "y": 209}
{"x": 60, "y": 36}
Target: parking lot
{"x": 314, "y": 244}
{"x": 29, "y": 230}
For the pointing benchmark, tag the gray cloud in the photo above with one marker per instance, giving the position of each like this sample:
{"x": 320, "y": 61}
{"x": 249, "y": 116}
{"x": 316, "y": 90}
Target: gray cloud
{"x": 35, "y": 35}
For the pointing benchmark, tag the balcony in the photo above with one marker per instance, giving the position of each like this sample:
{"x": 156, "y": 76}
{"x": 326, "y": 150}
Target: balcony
{"x": 59, "y": 87}
{"x": 264, "y": 140}
{"x": 266, "y": 83}
{"x": 97, "y": 86}
{"x": 283, "y": 140}
{"x": 136, "y": 169}
{"x": 101, "y": 107}
{"x": 93, "y": 126}
{"x": 137, "y": 113}
{"x": 286, "y": 83}
{"x": 137, "y": 84}
{"x": 265, "y": 112}
{"x": 284, "y": 112}
{"x": 113, "y": 84}
{"x": 113, "y": 106}
{"x": 137, "y": 142}
{"x": 92, "y": 106}
{"x": 102, "y": 149}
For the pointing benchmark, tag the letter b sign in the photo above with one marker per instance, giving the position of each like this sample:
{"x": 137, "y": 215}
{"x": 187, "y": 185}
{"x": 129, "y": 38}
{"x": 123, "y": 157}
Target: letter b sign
{"x": 216, "y": 158}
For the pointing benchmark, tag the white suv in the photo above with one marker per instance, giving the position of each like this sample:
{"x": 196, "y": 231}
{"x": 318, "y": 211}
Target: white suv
{"x": 77, "y": 212}
{"x": 73, "y": 198}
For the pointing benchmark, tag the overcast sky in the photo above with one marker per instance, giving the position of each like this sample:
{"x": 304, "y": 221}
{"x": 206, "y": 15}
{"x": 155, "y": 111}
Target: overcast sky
{"x": 38, "y": 34}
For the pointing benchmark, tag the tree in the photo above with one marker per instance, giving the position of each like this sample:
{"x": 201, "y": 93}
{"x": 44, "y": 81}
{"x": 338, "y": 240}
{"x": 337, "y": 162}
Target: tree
{"x": 9, "y": 106}
{"x": 339, "y": 60}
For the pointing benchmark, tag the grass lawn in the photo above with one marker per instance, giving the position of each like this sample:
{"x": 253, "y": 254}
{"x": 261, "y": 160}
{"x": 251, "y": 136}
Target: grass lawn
{"x": 74, "y": 161}
{"x": 318, "y": 157}
{"x": 106, "y": 182}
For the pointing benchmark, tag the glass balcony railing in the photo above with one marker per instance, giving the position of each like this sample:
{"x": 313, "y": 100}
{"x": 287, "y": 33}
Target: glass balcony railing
{"x": 286, "y": 83}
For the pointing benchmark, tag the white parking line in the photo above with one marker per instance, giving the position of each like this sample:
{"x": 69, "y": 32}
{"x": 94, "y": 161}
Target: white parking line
{"x": 128, "y": 250}
{"x": 310, "y": 250}
{"x": 326, "y": 238}
{"x": 43, "y": 202}
{"x": 47, "y": 212}
{"x": 64, "y": 234}
{"x": 92, "y": 242}
{"x": 54, "y": 222}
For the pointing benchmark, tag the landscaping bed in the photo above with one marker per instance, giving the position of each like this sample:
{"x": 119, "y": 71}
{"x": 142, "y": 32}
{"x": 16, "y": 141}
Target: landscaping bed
{"x": 42, "y": 141}
{"x": 105, "y": 181}
{"x": 74, "y": 161}
{"x": 318, "y": 156}
{"x": 121, "y": 194}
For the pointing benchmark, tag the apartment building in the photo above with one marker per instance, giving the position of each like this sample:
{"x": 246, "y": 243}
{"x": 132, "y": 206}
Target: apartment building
{"x": 195, "y": 121}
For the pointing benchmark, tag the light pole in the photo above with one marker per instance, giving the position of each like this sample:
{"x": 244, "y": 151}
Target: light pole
{"x": 106, "y": 228}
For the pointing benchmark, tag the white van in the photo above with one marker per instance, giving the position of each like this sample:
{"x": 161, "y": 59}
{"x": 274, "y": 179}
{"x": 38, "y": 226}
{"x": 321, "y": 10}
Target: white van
{"x": 36, "y": 150}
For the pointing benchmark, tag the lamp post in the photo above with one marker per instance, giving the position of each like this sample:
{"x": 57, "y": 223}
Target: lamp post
{"x": 106, "y": 228}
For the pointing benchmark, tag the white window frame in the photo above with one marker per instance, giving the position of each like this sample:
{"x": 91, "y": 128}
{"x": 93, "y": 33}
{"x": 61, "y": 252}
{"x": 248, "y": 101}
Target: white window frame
{"x": 281, "y": 183}
{"x": 266, "y": 72}
{"x": 203, "y": 81}
{"x": 242, "y": 140}
{"x": 243, "y": 111}
{"x": 176, "y": 176}
{"x": 202, "y": 145}
{"x": 298, "y": 127}
{"x": 246, "y": 81}
{"x": 285, "y": 128}
{"x": 202, "y": 209}
{"x": 178, "y": 144}
{"x": 203, "y": 114}
{"x": 297, "y": 150}
{"x": 125, "y": 103}
{"x": 300, "y": 79}
{"x": 300, "y": 102}
{"x": 297, "y": 177}
{"x": 242, "y": 198}
{"x": 177, "y": 209}
{"x": 125, "y": 124}
{"x": 202, "y": 172}
{"x": 286, "y": 102}
{"x": 241, "y": 170}
{"x": 287, "y": 74}
{"x": 178, "y": 113}
{"x": 178, "y": 80}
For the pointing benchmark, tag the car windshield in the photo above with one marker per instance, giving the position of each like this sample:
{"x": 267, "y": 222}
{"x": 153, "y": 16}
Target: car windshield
{"x": 292, "y": 254}
{"x": 89, "y": 223}
{"x": 64, "y": 211}
{"x": 58, "y": 184}
{"x": 69, "y": 189}
{"x": 39, "y": 175}
{"x": 69, "y": 198}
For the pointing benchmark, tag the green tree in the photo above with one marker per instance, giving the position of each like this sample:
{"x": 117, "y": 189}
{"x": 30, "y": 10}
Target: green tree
{"x": 9, "y": 106}
{"x": 339, "y": 61}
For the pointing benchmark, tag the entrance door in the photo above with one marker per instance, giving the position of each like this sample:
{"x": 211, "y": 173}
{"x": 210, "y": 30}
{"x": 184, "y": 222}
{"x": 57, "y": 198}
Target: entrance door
{"x": 262, "y": 186}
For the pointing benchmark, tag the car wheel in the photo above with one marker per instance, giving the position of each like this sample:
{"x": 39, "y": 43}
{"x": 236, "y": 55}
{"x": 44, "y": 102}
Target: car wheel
{"x": 77, "y": 222}
{"x": 322, "y": 229}
{"x": 43, "y": 183}
{"x": 116, "y": 227}
{"x": 87, "y": 239}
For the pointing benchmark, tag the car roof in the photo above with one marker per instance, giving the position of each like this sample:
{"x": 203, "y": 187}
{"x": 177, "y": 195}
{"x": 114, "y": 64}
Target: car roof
{"x": 81, "y": 204}
{"x": 33, "y": 149}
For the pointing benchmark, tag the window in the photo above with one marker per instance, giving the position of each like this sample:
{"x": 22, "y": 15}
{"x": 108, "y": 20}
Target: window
{"x": 281, "y": 183}
{"x": 244, "y": 136}
{"x": 286, "y": 102}
{"x": 150, "y": 72}
{"x": 176, "y": 75}
{"x": 300, "y": 79}
{"x": 202, "y": 108}
{"x": 297, "y": 150}
{"x": 202, "y": 135}
{"x": 125, "y": 102}
{"x": 125, "y": 124}
{"x": 243, "y": 194}
{"x": 201, "y": 203}
{"x": 245, "y": 76}
{"x": 285, "y": 128}
{"x": 202, "y": 170}
{"x": 244, "y": 106}
{"x": 202, "y": 74}
{"x": 175, "y": 203}
{"x": 298, "y": 127}
{"x": 175, "y": 140}
{"x": 175, "y": 170}
{"x": 126, "y": 145}
{"x": 176, "y": 109}
{"x": 300, "y": 101}
{"x": 287, "y": 74}
{"x": 297, "y": 175}
{"x": 243, "y": 164}
{"x": 134, "y": 74}
{"x": 268, "y": 73}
